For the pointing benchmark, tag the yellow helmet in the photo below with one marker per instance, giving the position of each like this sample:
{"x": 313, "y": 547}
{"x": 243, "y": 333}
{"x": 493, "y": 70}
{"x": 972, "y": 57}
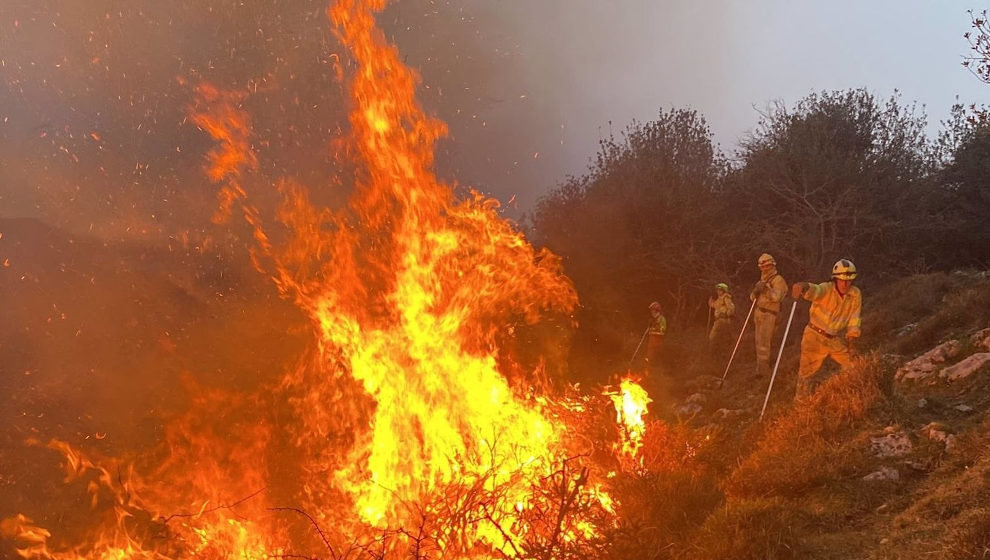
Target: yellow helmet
{"x": 722, "y": 286}
{"x": 766, "y": 259}
{"x": 844, "y": 269}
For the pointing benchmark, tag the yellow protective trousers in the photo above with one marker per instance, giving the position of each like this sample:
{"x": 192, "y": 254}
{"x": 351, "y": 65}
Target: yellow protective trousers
{"x": 720, "y": 330}
{"x": 815, "y": 347}
{"x": 765, "y": 324}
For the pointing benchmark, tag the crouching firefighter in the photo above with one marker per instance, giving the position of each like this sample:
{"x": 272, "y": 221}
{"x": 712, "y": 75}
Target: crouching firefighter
{"x": 835, "y": 307}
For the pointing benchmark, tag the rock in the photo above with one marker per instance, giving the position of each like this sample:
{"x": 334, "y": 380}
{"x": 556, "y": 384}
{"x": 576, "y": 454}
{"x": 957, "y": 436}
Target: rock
{"x": 696, "y": 398}
{"x": 725, "y": 413}
{"x": 936, "y": 431}
{"x": 891, "y": 444}
{"x": 906, "y": 329}
{"x": 950, "y": 443}
{"x": 964, "y": 408}
{"x": 966, "y": 367}
{"x": 705, "y": 382}
{"x": 885, "y": 473}
{"x": 981, "y": 339}
{"x": 924, "y": 366}
{"x": 688, "y": 409}
{"x": 922, "y": 403}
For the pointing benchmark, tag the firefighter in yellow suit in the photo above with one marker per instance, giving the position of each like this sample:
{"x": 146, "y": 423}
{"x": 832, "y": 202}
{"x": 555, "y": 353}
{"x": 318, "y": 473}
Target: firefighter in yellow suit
{"x": 768, "y": 292}
{"x": 724, "y": 310}
{"x": 835, "y": 307}
{"x": 658, "y": 329}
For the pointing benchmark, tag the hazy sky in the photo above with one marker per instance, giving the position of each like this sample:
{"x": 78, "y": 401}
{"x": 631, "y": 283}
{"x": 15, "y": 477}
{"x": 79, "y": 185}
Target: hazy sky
{"x": 93, "y": 132}
{"x": 584, "y": 63}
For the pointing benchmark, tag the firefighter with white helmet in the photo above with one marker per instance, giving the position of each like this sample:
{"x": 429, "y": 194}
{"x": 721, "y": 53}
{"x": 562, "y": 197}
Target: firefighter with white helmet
{"x": 833, "y": 322}
{"x": 767, "y": 294}
{"x": 658, "y": 329}
{"x": 723, "y": 310}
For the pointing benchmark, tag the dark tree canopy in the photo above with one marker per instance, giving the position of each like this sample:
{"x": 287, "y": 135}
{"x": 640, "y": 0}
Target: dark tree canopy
{"x": 663, "y": 215}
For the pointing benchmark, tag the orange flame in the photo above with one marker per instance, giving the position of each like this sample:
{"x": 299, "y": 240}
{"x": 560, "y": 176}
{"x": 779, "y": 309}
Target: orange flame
{"x": 402, "y": 415}
{"x": 630, "y": 406}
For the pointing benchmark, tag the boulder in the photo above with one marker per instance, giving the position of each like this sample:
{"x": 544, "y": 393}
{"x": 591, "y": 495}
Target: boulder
{"x": 885, "y": 473}
{"x": 936, "y": 431}
{"x": 925, "y": 365}
{"x": 966, "y": 367}
{"x": 725, "y": 414}
{"x": 891, "y": 444}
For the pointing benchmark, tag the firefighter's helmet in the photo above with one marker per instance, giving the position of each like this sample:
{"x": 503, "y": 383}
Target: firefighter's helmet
{"x": 655, "y": 306}
{"x": 844, "y": 269}
{"x": 766, "y": 260}
{"x": 722, "y": 286}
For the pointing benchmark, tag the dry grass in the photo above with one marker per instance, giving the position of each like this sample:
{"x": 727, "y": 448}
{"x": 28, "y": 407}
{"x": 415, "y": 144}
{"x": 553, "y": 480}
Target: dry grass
{"x": 937, "y": 305}
{"x": 816, "y": 440}
{"x": 758, "y": 529}
{"x": 666, "y": 498}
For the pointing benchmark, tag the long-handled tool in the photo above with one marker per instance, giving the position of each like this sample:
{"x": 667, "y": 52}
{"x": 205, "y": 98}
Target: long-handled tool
{"x": 779, "y": 354}
{"x": 738, "y": 340}
{"x": 708, "y": 325}
{"x": 638, "y": 346}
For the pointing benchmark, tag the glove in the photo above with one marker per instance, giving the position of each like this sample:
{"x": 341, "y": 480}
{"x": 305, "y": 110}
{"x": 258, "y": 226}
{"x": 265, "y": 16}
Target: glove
{"x": 758, "y": 289}
{"x": 851, "y": 344}
{"x": 798, "y": 289}
{"x": 711, "y": 302}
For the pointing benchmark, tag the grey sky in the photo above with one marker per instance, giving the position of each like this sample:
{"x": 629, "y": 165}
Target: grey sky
{"x": 583, "y": 63}
{"x": 93, "y": 133}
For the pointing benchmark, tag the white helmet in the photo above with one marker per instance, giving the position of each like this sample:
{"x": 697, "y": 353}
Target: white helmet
{"x": 844, "y": 269}
{"x": 765, "y": 260}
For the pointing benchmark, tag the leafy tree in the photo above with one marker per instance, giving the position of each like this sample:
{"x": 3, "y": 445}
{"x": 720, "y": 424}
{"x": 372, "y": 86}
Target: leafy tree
{"x": 640, "y": 225}
{"x": 840, "y": 174}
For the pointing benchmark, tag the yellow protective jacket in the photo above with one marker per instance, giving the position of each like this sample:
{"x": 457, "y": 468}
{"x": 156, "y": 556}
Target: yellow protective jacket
{"x": 723, "y": 307}
{"x": 659, "y": 325}
{"x": 773, "y": 293}
{"x": 832, "y": 312}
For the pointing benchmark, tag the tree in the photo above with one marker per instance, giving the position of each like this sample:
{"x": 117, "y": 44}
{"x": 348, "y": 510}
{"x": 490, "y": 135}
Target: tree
{"x": 839, "y": 175}
{"x": 640, "y": 225}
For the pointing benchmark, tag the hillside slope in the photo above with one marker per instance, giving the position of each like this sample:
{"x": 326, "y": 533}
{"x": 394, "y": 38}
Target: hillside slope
{"x": 886, "y": 461}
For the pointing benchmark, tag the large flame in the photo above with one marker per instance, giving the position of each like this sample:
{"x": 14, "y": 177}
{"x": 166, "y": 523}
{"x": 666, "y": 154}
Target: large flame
{"x": 401, "y": 417}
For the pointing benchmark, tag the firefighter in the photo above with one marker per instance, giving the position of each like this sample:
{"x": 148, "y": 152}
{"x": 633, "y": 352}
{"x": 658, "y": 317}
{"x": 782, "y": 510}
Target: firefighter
{"x": 723, "y": 310}
{"x": 768, "y": 292}
{"x": 835, "y": 307}
{"x": 658, "y": 329}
